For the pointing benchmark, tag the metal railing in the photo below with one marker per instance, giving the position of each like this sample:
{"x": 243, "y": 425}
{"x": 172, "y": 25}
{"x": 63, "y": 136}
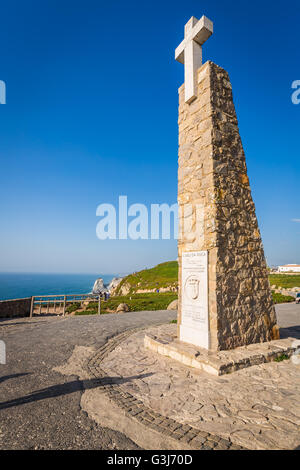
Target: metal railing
{"x": 57, "y": 304}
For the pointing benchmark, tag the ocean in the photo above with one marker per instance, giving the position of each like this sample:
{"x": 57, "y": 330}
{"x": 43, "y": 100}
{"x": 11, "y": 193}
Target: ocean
{"x": 19, "y": 285}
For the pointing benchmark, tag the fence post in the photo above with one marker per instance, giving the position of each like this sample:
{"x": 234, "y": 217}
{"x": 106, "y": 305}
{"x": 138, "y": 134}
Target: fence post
{"x": 99, "y": 305}
{"x": 64, "y": 309}
{"x": 31, "y": 306}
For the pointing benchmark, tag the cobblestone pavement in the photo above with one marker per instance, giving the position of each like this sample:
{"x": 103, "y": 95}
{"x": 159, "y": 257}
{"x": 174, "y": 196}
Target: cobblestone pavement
{"x": 40, "y": 408}
{"x": 256, "y": 408}
{"x": 136, "y": 409}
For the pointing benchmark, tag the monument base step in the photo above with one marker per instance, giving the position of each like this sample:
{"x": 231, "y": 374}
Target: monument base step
{"x": 219, "y": 362}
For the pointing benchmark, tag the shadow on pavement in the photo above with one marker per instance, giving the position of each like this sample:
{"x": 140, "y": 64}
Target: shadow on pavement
{"x": 12, "y": 376}
{"x": 290, "y": 332}
{"x": 28, "y": 321}
{"x": 67, "y": 388}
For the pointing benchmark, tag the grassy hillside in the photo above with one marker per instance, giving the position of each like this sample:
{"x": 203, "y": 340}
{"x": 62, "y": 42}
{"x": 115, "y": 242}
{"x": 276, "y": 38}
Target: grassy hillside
{"x": 162, "y": 275}
{"x": 166, "y": 275}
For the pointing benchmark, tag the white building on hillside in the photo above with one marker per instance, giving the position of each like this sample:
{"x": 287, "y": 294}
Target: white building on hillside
{"x": 292, "y": 268}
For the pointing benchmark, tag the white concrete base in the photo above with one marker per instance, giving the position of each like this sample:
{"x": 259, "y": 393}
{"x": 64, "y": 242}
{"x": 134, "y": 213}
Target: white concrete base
{"x": 193, "y": 336}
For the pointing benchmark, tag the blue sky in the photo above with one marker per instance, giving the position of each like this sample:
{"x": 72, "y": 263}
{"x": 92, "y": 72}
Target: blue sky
{"x": 91, "y": 114}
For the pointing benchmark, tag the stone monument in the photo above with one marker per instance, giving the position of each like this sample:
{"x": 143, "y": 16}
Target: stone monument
{"x": 224, "y": 295}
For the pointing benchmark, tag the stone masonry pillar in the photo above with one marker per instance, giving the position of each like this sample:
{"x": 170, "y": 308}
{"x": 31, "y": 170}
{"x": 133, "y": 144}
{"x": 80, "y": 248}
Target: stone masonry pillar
{"x": 217, "y": 216}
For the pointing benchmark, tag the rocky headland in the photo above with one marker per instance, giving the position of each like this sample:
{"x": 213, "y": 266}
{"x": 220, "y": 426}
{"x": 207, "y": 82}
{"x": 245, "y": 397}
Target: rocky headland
{"x": 100, "y": 288}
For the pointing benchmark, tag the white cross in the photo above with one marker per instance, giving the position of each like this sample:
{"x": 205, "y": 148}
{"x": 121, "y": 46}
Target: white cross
{"x": 189, "y": 52}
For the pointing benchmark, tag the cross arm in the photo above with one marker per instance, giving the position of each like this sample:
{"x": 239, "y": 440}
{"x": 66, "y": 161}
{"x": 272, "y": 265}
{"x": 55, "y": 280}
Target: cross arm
{"x": 202, "y": 30}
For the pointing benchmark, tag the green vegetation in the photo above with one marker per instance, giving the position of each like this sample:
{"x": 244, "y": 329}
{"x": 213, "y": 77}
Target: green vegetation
{"x": 73, "y": 307}
{"x": 136, "y": 303}
{"x": 166, "y": 274}
{"x": 281, "y": 358}
{"x": 90, "y": 309}
{"x": 281, "y": 299}
{"x": 162, "y": 275}
{"x": 173, "y": 321}
{"x": 284, "y": 280}
{"x": 87, "y": 312}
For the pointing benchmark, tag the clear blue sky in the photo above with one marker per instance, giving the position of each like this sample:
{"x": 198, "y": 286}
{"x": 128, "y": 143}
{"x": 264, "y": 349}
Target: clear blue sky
{"x": 91, "y": 114}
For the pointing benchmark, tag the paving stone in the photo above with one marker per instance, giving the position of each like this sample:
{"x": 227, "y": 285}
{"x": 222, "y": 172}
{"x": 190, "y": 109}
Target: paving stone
{"x": 220, "y": 446}
{"x": 211, "y": 444}
{"x": 198, "y": 441}
{"x": 206, "y": 447}
{"x": 186, "y": 438}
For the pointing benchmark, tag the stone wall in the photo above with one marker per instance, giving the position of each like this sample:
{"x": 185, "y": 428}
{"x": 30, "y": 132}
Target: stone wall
{"x": 15, "y": 308}
{"x": 217, "y": 214}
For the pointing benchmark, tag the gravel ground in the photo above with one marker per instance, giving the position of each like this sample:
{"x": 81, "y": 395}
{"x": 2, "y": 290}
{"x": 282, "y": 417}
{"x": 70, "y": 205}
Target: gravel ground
{"x": 40, "y": 408}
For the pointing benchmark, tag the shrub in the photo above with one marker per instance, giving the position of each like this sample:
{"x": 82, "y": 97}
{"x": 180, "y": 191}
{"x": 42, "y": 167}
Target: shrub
{"x": 281, "y": 299}
{"x": 281, "y": 358}
{"x": 87, "y": 312}
{"x": 73, "y": 307}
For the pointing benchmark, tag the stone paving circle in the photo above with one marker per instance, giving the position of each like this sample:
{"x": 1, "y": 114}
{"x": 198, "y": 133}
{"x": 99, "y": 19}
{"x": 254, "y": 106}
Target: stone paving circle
{"x": 254, "y": 408}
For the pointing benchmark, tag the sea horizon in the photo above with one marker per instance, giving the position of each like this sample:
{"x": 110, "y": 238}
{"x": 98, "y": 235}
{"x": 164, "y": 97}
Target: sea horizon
{"x": 17, "y": 285}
